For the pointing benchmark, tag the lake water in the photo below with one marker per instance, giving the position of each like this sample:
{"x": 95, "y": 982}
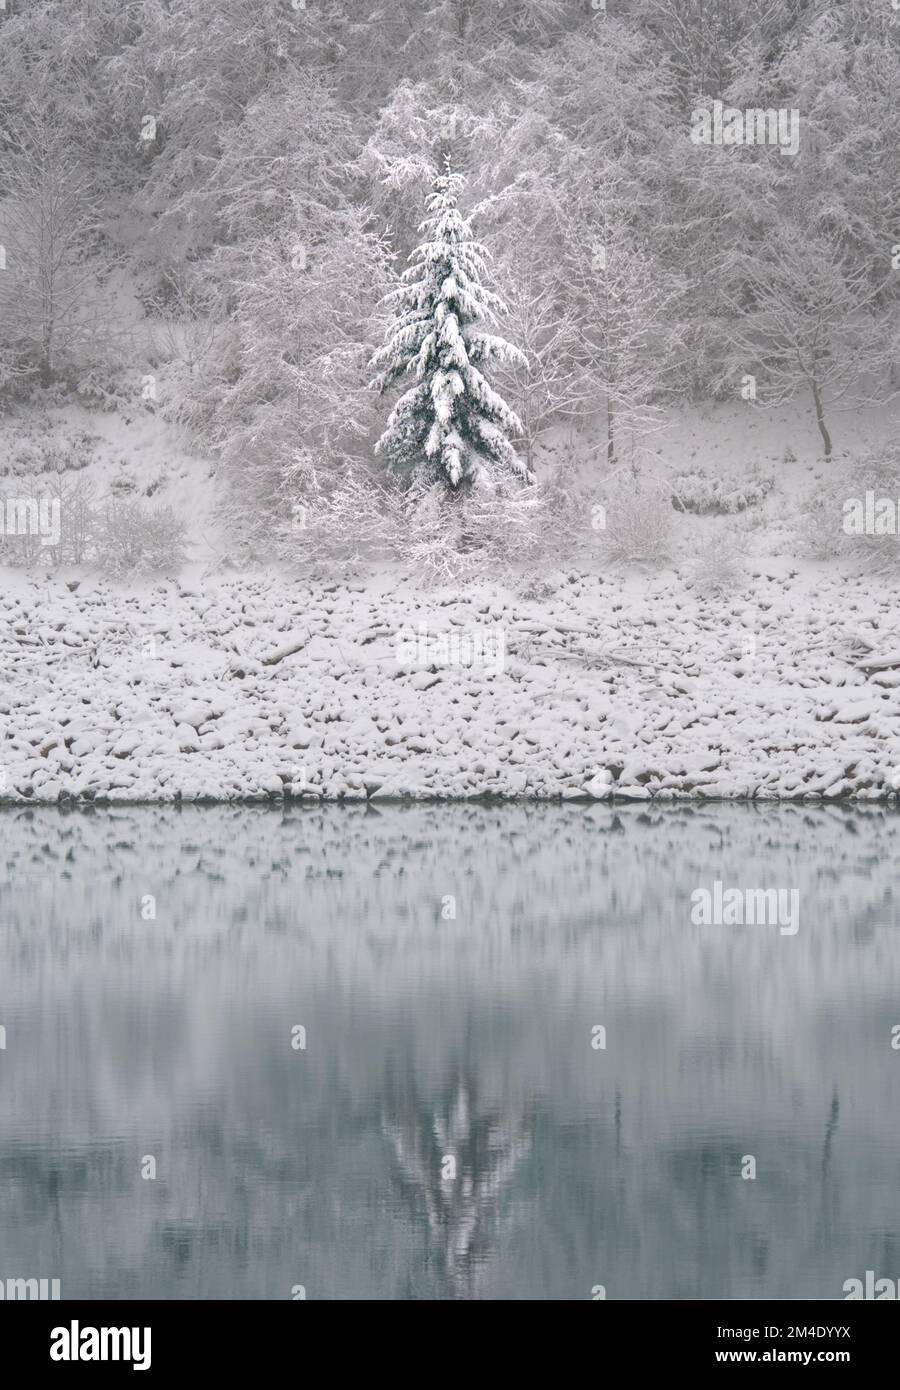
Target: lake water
{"x": 363, "y": 1050}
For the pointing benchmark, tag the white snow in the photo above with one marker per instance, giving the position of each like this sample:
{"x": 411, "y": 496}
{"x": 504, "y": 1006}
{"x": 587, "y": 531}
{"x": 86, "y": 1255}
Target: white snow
{"x": 586, "y": 704}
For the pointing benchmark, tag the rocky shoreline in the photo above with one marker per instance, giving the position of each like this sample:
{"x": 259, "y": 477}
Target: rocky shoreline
{"x": 585, "y": 687}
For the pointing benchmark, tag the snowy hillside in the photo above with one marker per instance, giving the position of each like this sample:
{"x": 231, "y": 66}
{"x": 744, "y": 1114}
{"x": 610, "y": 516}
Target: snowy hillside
{"x": 401, "y": 404}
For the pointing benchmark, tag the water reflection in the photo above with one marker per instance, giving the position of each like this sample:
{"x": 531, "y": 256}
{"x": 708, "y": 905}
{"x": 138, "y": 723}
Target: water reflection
{"x": 455, "y": 1164}
{"x": 448, "y": 1130}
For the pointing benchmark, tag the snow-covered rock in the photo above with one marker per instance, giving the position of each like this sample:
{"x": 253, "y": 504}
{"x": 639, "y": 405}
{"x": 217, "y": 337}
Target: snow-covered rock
{"x": 188, "y": 738}
{"x": 193, "y": 712}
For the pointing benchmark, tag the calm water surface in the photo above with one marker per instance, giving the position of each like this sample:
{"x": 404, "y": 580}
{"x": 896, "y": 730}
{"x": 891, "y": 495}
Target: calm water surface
{"x": 449, "y": 966}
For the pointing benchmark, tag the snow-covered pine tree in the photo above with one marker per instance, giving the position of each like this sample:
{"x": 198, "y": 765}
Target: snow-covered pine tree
{"x": 451, "y": 426}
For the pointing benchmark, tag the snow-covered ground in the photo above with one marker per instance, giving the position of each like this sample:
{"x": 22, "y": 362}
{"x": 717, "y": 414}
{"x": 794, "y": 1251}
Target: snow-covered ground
{"x": 592, "y": 681}
{"x": 609, "y": 685}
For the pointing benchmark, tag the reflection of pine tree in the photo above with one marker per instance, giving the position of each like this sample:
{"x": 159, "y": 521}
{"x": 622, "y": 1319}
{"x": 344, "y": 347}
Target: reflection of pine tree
{"x": 461, "y": 1214}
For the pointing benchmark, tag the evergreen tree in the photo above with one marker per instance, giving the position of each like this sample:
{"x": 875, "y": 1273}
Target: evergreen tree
{"x": 451, "y": 426}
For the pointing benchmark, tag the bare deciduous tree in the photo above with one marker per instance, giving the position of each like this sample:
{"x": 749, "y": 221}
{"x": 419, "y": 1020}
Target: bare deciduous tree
{"x": 626, "y": 330}
{"x": 52, "y": 301}
{"x": 812, "y": 322}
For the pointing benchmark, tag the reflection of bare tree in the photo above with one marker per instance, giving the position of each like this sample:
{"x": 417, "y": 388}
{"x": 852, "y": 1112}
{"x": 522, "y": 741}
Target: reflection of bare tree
{"x": 830, "y": 1130}
{"x": 462, "y": 1203}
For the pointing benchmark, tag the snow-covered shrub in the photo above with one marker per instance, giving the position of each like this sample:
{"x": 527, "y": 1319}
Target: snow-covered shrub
{"x": 24, "y": 505}
{"x": 696, "y": 491}
{"x": 106, "y": 388}
{"x": 193, "y": 355}
{"x": 53, "y": 520}
{"x": 479, "y": 534}
{"x": 46, "y": 521}
{"x": 77, "y": 452}
{"x": 857, "y": 516}
{"x": 716, "y": 565}
{"x": 363, "y": 517}
{"x": 638, "y": 520}
{"x": 77, "y": 520}
{"x": 196, "y": 394}
{"x": 17, "y": 377}
{"x": 327, "y": 518}
{"x": 24, "y": 458}
{"x": 536, "y": 587}
{"x": 123, "y": 484}
{"x": 131, "y": 538}
{"x": 42, "y": 450}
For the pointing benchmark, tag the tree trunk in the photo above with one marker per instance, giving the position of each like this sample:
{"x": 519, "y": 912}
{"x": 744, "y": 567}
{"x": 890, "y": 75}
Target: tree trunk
{"x": 463, "y": 17}
{"x": 820, "y": 417}
{"x": 46, "y": 358}
{"x": 610, "y": 434}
